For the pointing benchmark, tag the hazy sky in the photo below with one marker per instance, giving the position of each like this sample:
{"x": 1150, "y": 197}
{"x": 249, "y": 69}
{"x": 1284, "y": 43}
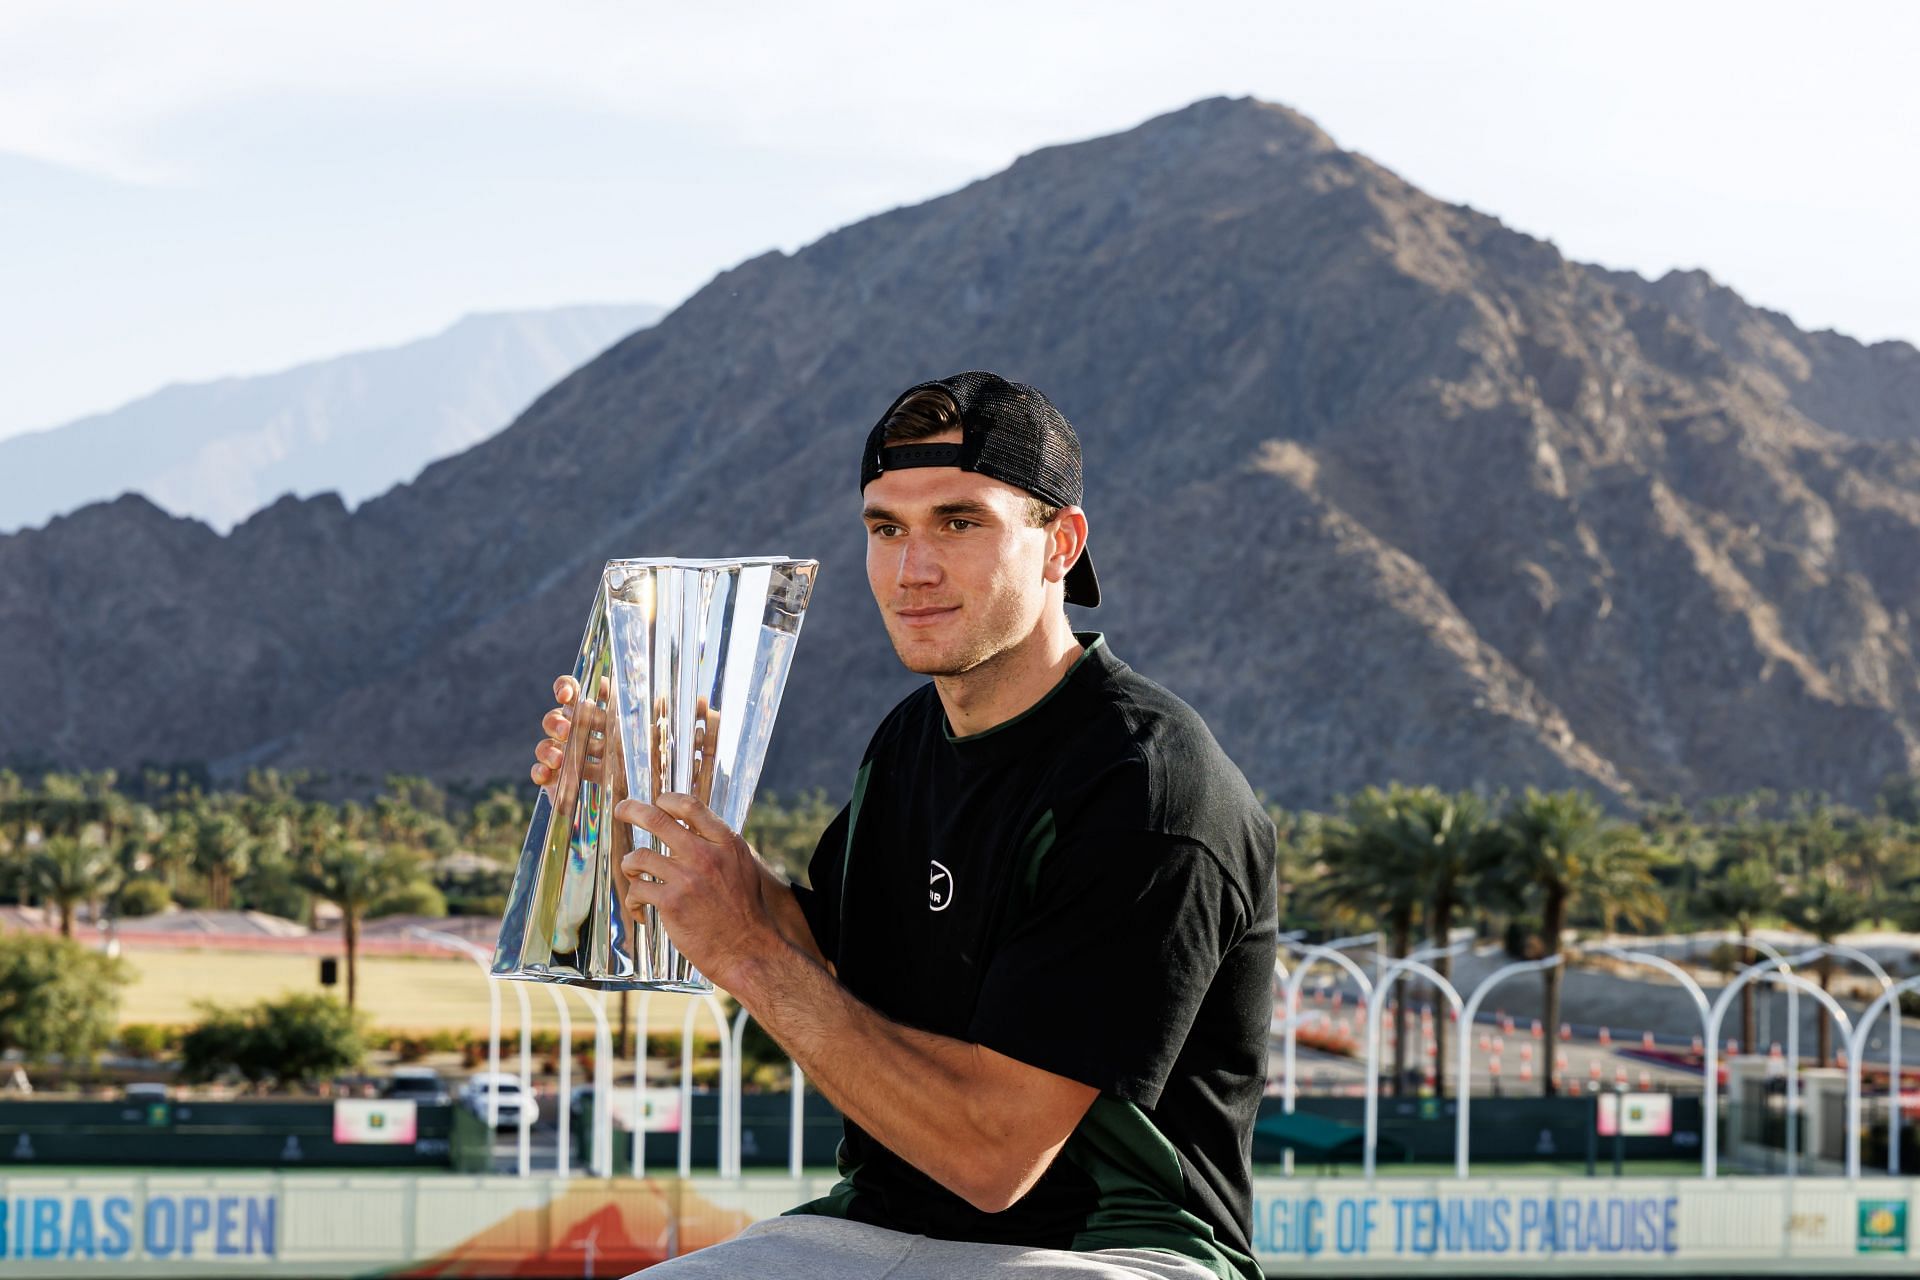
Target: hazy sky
{"x": 189, "y": 190}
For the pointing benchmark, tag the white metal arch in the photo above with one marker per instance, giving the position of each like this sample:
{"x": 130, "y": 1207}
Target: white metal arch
{"x": 1856, "y": 1051}
{"x": 1374, "y": 1006}
{"x": 1310, "y": 953}
{"x": 1463, "y": 1083}
{"x": 797, "y": 1103}
{"x": 707, "y": 1001}
{"x": 1710, "y": 1107}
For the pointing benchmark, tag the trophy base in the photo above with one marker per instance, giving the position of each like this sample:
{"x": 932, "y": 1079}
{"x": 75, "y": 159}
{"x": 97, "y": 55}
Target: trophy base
{"x": 684, "y": 986}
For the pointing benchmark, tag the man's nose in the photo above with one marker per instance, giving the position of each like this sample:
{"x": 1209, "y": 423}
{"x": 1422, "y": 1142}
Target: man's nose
{"x": 918, "y": 563}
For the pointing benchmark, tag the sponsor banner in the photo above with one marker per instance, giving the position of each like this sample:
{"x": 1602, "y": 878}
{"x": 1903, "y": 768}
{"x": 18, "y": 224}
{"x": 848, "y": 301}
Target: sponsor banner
{"x": 1636, "y": 1115}
{"x": 196, "y": 1224}
{"x": 138, "y": 1223}
{"x": 1375, "y": 1222}
{"x": 1882, "y": 1227}
{"x": 1731, "y": 1226}
{"x": 659, "y": 1108}
{"x": 372, "y": 1121}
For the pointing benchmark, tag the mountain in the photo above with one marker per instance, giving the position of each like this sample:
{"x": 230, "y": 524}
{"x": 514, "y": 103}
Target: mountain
{"x": 355, "y": 425}
{"x": 1384, "y": 488}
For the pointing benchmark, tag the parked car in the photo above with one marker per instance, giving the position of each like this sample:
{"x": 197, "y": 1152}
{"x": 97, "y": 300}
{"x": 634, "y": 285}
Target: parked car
{"x": 417, "y": 1084}
{"x": 147, "y": 1091}
{"x": 516, "y": 1106}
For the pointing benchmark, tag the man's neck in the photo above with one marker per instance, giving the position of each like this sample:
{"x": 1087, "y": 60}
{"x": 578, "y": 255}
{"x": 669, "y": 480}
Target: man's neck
{"x": 1009, "y": 683}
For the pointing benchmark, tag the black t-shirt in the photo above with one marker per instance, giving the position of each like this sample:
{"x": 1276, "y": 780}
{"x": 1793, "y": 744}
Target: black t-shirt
{"x": 1087, "y": 888}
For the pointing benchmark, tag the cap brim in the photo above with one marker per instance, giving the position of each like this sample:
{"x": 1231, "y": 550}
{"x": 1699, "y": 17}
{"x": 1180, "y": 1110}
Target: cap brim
{"x": 1083, "y": 587}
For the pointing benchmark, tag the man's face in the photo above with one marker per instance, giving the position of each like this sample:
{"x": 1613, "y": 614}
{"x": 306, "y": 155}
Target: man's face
{"x": 958, "y": 572}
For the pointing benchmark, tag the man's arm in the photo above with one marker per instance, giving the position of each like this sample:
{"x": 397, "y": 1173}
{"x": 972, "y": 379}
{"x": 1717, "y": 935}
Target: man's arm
{"x": 980, "y": 1123}
{"x": 776, "y": 897}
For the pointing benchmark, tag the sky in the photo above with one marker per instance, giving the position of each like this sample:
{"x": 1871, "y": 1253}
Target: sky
{"x": 191, "y": 189}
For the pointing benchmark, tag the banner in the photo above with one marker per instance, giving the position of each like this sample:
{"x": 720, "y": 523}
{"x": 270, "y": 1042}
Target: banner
{"x": 1636, "y": 1115}
{"x": 358, "y": 1121}
{"x": 135, "y": 1225}
{"x": 193, "y": 1224}
{"x": 1882, "y": 1227}
{"x": 659, "y": 1108}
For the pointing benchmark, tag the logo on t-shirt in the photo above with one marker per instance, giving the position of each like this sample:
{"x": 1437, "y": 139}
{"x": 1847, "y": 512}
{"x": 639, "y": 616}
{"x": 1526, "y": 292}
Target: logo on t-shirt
{"x": 939, "y": 887}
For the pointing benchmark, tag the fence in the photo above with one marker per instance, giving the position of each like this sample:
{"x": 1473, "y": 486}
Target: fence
{"x": 246, "y": 1134}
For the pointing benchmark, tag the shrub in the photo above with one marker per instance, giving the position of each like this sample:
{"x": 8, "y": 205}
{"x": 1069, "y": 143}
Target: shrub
{"x": 295, "y": 1039}
{"x": 143, "y": 896}
{"x": 146, "y": 1040}
{"x": 275, "y": 891}
{"x": 57, "y": 997}
{"x": 416, "y": 899}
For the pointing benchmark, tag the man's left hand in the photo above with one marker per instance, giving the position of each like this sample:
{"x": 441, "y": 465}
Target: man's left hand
{"x": 706, "y": 885}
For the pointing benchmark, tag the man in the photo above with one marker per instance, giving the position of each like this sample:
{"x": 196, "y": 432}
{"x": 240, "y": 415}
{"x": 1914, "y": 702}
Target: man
{"x": 1052, "y": 1061}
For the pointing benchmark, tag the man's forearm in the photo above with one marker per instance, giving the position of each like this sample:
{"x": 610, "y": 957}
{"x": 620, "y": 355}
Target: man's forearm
{"x": 954, "y": 1110}
{"x": 780, "y": 902}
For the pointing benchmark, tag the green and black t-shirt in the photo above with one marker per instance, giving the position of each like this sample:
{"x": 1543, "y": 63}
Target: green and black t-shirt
{"x": 1087, "y": 888}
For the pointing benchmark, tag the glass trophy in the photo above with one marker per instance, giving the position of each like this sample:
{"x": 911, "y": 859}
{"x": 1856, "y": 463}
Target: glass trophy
{"x": 680, "y": 673}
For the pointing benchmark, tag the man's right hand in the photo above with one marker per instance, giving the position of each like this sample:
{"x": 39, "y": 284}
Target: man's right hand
{"x": 561, "y": 761}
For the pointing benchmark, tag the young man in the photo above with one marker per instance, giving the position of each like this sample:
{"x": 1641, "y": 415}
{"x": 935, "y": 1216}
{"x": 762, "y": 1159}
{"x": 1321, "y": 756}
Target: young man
{"x": 1052, "y": 1061}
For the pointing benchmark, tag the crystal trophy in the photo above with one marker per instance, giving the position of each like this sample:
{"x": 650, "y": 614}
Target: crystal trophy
{"x": 680, "y": 674}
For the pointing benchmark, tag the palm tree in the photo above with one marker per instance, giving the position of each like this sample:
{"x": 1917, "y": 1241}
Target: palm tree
{"x": 1825, "y": 908}
{"x": 1369, "y": 874}
{"x": 68, "y": 871}
{"x": 1739, "y": 894}
{"x": 14, "y": 823}
{"x": 222, "y": 852}
{"x": 1562, "y": 852}
{"x": 1878, "y": 853}
{"x": 1815, "y": 835}
{"x": 139, "y": 838}
{"x": 1297, "y": 848}
{"x": 1443, "y": 838}
{"x": 353, "y": 874}
{"x": 497, "y": 823}
{"x": 60, "y": 806}
{"x": 174, "y": 849}
{"x": 107, "y": 807}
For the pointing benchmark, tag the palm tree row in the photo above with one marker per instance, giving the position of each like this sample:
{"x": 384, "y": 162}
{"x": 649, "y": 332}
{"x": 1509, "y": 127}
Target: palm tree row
{"x": 1417, "y": 858}
{"x": 78, "y": 841}
{"x": 90, "y": 844}
{"x": 1410, "y": 860}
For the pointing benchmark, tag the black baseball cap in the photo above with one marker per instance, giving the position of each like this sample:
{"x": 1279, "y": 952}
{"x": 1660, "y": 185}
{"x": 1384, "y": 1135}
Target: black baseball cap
{"x": 1009, "y": 431}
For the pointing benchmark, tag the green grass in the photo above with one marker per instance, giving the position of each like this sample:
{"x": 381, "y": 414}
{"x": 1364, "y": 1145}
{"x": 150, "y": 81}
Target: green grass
{"x": 399, "y": 993}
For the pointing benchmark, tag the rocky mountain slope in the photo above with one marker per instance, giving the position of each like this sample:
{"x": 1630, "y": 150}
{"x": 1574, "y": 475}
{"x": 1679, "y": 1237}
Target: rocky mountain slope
{"x": 355, "y": 425}
{"x": 1384, "y": 488}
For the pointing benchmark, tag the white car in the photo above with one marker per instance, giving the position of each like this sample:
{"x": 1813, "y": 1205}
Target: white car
{"x": 516, "y": 1107}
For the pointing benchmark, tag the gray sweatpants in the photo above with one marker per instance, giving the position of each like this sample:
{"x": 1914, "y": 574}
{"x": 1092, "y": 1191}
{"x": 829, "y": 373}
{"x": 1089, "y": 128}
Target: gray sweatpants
{"x": 805, "y": 1247}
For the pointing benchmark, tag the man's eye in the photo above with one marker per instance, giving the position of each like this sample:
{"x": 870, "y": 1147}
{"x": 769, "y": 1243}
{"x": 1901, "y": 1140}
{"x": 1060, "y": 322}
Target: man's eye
{"x": 958, "y": 523}
{"x": 884, "y": 530}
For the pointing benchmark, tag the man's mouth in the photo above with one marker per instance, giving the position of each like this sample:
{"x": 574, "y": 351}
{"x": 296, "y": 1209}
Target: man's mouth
{"x": 925, "y": 615}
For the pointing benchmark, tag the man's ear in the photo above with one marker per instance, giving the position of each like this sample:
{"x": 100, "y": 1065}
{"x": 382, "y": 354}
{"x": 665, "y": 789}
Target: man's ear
{"x": 1066, "y": 539}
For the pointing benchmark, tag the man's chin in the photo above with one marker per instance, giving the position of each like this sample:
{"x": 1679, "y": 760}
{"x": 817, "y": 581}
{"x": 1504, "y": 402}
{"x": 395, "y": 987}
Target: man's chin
{"x": 931, "y": 660}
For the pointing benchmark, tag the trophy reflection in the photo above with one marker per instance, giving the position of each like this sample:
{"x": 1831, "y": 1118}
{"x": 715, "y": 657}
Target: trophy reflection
{"x": 680, "y": 674}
